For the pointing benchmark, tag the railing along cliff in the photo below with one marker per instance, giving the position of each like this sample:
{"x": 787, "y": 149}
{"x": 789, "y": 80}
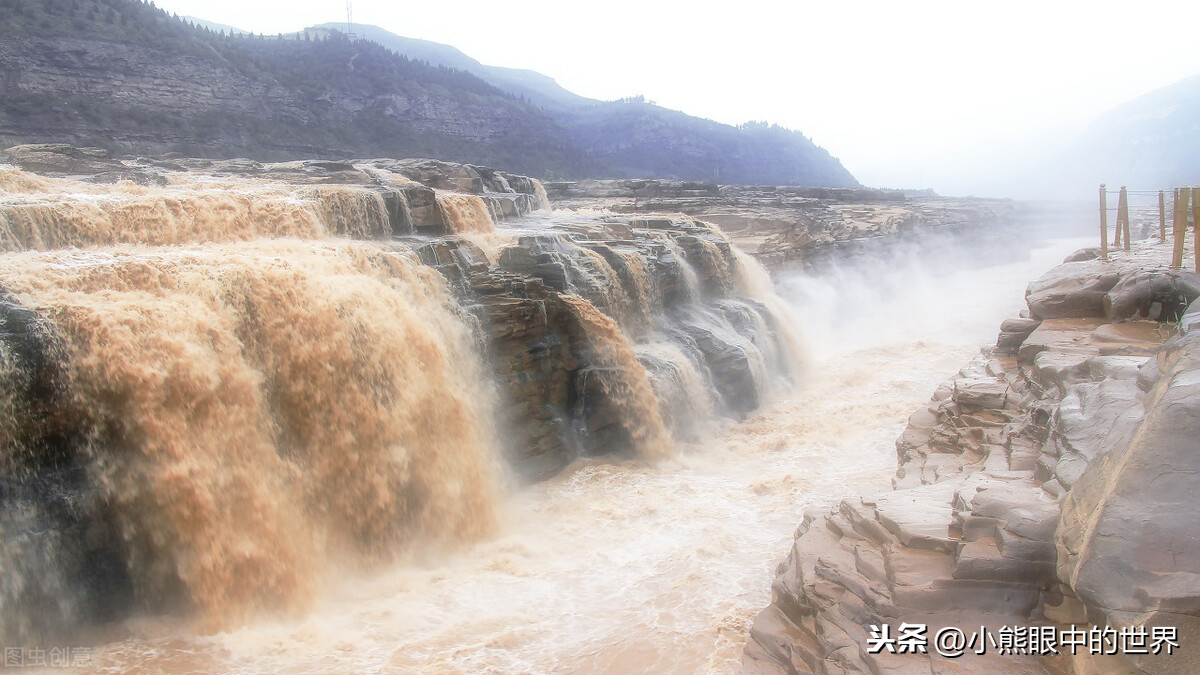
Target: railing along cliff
{"x": 1179, "y": 213}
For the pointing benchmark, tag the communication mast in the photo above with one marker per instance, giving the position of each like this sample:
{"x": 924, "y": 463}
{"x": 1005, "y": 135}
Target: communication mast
{"x": 350, "y": 19}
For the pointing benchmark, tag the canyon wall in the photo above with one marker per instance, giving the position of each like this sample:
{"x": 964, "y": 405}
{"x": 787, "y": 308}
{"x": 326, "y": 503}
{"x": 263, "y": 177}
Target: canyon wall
{"x": 1047, "y": 488}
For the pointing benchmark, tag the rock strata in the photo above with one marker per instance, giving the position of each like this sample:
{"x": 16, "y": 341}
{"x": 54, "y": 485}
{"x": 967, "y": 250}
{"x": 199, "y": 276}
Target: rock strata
{"x": 669, "y": 279}
{"x": 1049, "y": 484}
{"x": 673, "y": 283}
{"x": 787, "y": 225}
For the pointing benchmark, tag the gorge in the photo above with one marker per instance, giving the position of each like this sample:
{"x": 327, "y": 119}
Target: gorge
{"x": 398, "y": 415}
{"x": 224, "y": 380}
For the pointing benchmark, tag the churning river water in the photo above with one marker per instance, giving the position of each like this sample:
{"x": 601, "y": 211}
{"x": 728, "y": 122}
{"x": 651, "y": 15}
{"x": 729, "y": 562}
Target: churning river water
{"x": 650, "y": 567}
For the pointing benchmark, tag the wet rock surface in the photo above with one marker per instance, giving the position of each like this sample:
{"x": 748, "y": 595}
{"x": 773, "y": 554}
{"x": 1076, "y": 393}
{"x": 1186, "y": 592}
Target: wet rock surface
{"x": 661, "y": 285}
{"x": 1049, "y": 483}
{"x": 60, "y": 158}
{"x": 1128, "y": 287}
{"x": 49, "y": 516}
{"x": 789, "y": 225}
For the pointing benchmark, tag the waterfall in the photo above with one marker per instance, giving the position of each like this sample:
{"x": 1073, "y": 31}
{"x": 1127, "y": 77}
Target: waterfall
{"x": 219, "y": 393}
{"x": 256, "y": 412}
{"x": 50, "y": 214}
{"x": 465, "y": 213}
{"x": 350, "y": 211}
{"x": 543, "y": 200}
{"x": 691, "y": 282}
{"x": 685, "y": 395}
{"x": 753, "y": 281}
{"x": 623, "y": 381}
{"x": 638, "y": 285}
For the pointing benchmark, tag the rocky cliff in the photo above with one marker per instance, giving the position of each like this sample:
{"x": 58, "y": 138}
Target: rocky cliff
{"x": 1043, "y": 506}
{"x": 788, "y": 225}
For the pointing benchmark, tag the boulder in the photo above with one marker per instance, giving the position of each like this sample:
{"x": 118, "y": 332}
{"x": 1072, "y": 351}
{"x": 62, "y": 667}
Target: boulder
{"x": 436, "y": 174}
{"x": 1074, "y": 289}
{"x": 1013, "y": 332}
{"x": 1089, "y": 253}
{"x": 1155, "y": 294}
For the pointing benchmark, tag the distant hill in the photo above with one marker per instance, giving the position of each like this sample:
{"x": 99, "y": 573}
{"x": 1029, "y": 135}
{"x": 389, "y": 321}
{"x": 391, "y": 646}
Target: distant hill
{"x": 1153, "y": 140}
{"x": 1150, "y": 142}
{"x": 214, "y": 26}
{"x": 127, "y": 76}
{"x": 533, "y": 86}
{"x": 642, "y": 140}
{"x": 645, "y": 140}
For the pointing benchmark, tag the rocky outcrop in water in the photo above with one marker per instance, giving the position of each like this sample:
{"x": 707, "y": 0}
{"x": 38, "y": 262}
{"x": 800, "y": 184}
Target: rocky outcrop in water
{"x": 787, "y": 225}
{"x": 670, "y": 284}
{"x": 1042, "y": 490}
{"x": 45, "y": 500}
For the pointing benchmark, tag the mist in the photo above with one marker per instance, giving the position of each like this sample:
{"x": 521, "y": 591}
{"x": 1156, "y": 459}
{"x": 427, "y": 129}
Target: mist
{"x": 648, "y": 565}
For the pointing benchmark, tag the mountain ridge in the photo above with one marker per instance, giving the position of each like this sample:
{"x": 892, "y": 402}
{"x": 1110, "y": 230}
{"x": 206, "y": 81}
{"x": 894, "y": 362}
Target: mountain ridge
{"x": 541, "y": 89}
{"x": 640, "y": 138}
{"x": 1154, "y": 139}
{"x": 126, "y": 76}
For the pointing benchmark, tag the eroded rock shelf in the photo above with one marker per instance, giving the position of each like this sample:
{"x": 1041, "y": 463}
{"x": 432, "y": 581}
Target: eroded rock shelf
{"x": 1051, "y": 482}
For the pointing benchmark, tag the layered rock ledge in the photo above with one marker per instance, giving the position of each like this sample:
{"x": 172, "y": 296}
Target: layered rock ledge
{"x": 1049, "y": 485}
{"x": 671, "y": 283}
{"x": 789, "y": 225}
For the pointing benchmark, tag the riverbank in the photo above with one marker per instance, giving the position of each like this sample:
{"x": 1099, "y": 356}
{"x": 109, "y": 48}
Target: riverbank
{"x": 1048, "y": 484}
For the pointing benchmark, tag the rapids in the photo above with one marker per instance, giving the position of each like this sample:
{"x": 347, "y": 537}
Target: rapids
{"x": 249, "y": 424}
{"x": 652, "y": 567}
{"x": 278, "y": 407}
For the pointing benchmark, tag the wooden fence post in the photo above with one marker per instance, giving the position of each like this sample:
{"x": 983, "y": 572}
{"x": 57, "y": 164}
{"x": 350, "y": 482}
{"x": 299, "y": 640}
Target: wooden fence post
{"x": 1180, "y": 230}
{"x": 1123, "y": 215}
{"x": 1116, "y": 240}
{"x": 1103, "y": 222}
{"x": 1196, "y": 227}
{"x": 1162, "y": 217}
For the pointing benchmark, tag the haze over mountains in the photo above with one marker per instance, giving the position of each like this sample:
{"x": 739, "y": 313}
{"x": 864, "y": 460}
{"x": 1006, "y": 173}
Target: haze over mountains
{"x": 531, "y": 85}
{"x": 124, "y": 75}
{"x": 1152, "y": 141}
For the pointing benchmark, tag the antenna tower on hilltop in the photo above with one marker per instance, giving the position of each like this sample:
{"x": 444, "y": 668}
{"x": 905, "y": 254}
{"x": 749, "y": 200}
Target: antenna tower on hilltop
{"x": 350, "y": 18}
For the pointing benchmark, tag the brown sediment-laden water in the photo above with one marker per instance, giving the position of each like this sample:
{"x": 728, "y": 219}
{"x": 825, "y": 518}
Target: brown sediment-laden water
{"x": 284, "y": 425}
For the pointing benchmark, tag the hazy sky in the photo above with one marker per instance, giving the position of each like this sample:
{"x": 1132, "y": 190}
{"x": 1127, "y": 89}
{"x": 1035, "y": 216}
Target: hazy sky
{"x": 919, "y": 94}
